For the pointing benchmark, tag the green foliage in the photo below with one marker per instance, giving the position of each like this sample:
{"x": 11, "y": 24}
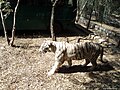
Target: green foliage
{"x": 5, "y": 8}
{"x": 102, "y": 8}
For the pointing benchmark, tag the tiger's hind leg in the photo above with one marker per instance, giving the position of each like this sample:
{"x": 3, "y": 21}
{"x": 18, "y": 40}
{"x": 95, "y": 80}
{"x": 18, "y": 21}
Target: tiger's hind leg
{"x": 87, "y": 61}
{"x": 94, "y": 63}
{"x": 69, "y": 63}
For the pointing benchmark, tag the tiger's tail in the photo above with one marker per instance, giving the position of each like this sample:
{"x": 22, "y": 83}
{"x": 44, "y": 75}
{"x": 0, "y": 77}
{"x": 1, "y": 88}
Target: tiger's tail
{"x": 101, "y": 55}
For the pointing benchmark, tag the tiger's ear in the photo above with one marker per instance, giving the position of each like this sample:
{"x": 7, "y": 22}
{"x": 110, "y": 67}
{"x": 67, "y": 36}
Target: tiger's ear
{"x": 45, "y": 39}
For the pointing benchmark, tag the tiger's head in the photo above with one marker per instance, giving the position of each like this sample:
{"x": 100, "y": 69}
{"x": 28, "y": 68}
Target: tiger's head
{"x": 45, "y": 47}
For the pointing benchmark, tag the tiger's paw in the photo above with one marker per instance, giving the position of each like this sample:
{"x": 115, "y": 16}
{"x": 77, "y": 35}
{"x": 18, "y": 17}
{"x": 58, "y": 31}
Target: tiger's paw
{"x": 50, "y": 73}
{"x": 83, "y": 65}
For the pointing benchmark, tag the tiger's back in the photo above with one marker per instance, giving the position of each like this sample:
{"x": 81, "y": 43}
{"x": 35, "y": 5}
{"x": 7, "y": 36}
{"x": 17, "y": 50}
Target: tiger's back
{"x": 84, "y": 50}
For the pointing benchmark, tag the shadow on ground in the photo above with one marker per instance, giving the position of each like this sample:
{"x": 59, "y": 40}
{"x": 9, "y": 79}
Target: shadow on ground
{"x": 46, "y": 33}
{"x": 79, "y": 68}
{"x": 103, "y": 78}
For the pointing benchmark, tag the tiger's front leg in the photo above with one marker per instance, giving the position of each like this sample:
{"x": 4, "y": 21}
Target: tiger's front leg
{"x": 55, "y": 67}
{"x": 58, "y": 62}
{"x": 87, "y": 61}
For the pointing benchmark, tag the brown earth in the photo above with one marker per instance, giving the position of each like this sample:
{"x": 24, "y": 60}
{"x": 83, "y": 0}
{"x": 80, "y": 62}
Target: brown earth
{"x": 22, "y": 68}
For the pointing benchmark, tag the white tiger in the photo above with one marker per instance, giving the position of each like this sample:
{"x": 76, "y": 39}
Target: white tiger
{"x": 67, "y": 52}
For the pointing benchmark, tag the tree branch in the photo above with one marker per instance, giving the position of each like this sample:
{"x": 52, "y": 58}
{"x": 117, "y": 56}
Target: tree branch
{"x": 52, "y": 21}
{"x": 3, "y": 24}
{"x": 14, "y": 24}
{"x": 79, "y": 12}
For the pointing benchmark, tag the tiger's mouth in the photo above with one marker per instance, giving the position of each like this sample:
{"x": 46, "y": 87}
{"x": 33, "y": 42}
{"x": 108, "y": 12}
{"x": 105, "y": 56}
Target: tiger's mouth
{"x": 42, "y": 51}
{"x": 45, "y": 50}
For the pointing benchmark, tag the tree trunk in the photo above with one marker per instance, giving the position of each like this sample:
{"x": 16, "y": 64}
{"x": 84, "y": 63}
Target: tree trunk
{"x": 52, "y": 21}
{"x": 79, "y": 12}
{"x": 89, "y": 20}
{"x": 90, "y": 16}
{"x": 51, "y": 25}
{"x": 14, "y": 24}
{"x": 4, "y": 28}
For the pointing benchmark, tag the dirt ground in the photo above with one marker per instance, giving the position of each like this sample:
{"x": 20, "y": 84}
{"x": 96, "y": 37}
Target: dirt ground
{"x": 22, "y": 68}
